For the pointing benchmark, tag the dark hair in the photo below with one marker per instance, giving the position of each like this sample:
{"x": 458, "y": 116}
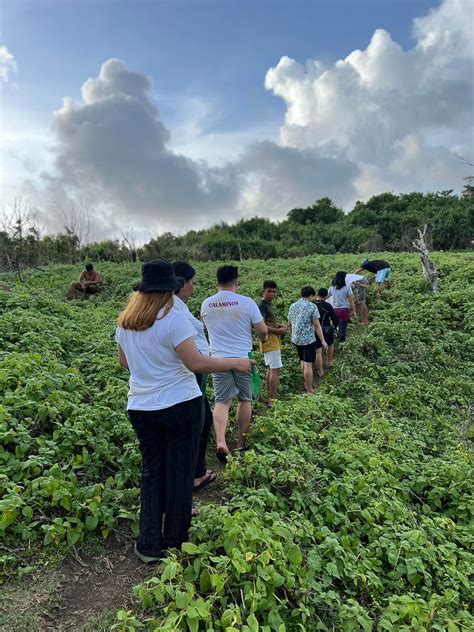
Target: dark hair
{"x": 308, "y": 291}
{"x": 227, "y": 275}
{"x": 339, "y": 280}
{"x": 323, "y": 292}
{"x": 89, "y": 267}
{"x": 184, "y": 270}
{"x": 269, "y": 284}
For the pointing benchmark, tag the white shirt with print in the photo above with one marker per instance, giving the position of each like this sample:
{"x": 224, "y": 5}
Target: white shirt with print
{"x": 229, "y": 317}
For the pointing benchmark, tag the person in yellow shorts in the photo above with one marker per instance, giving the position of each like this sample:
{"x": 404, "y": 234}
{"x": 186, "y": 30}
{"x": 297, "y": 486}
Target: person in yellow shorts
{"x": 272, "y": 347}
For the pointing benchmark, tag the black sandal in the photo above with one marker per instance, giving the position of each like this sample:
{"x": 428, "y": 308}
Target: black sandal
{"x": 222, "y": 456}
{"x": 210, "y": 478}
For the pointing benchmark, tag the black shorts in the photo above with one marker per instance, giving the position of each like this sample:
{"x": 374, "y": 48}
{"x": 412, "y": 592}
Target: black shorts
{"x": 307, "y": 353}
{"x": 318, "y": 343}
{"x": 329, "y": 335}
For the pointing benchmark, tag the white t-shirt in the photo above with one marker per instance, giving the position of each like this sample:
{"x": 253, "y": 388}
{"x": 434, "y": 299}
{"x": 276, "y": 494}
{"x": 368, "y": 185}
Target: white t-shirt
{"x": 229, "y": 317}
{"x": 158, "y": 378}
{"x": 200, "y": 338}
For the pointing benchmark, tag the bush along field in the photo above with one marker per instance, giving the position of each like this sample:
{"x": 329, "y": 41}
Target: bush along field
{"x": 353, "y": 509}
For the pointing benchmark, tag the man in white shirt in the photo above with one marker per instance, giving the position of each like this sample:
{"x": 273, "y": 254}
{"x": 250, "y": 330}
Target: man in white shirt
{"x": 229, "y": 318}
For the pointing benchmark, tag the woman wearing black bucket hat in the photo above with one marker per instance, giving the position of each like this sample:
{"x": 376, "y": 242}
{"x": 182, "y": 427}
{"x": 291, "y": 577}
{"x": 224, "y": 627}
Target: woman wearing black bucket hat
{"x": 156, "y": 343}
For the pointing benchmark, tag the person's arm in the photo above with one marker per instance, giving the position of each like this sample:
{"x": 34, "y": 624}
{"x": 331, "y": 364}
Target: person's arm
{"x": 319, "y": 332}
{"x": 351, "y": 304}
{"x": 121, "y": 357}
{"x": 81, "y": 277}
{"x": 333, "y": 316}
{"x": 262, "y": 330}
{"x": 197, "y": 363}
{"x": 359, "y": 270}
{"x": 279, "y": 331}
{"x": 359, "y": 284}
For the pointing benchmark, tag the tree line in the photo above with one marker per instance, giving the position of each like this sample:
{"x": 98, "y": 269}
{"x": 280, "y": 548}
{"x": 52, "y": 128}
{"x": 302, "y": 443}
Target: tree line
{"x": 386, "y": 222}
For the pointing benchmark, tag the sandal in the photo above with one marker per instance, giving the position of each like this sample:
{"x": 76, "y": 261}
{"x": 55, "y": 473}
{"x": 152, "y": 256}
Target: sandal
{"x": 210, "y": 478}
{"x": 222, "y": 456}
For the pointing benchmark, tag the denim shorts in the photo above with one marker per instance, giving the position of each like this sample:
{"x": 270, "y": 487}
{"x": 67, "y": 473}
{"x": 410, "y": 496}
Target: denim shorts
{"x": 383, "y": 275}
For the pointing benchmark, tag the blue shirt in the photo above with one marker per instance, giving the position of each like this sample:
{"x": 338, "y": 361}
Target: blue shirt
{"x": 340, "y": 298}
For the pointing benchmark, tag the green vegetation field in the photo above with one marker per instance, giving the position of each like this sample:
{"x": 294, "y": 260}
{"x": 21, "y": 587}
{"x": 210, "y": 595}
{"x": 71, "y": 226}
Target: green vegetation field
{"x": 354, "y": 509}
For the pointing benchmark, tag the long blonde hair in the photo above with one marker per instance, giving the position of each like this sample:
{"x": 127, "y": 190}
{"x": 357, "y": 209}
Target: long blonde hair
{"x": 143, "y": 308}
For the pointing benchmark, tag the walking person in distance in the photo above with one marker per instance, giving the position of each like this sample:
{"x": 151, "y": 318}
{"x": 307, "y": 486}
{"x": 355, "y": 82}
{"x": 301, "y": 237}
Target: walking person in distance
{"x": 382, "y": 271}
{"x": 272, "y": 347}
{"x": 304, "y": 325}
{"x": 343, "y": 303}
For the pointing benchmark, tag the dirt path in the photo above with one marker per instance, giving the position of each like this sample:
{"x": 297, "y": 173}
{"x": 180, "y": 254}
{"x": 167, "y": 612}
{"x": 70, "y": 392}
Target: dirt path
{"x": 85, "y": 591}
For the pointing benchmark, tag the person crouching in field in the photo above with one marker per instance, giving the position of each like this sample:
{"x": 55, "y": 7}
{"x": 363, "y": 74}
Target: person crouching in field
{"x": 329, "y": 321}
{"x": 343, "y": 303}
{"x": 156, "y": 342}
{"x": 272, "y": 347}
{"x": 361, "y": 287}
{"x": 303, "y": 322}
{"x": 187, "y": 273}
{"x": 382, "y": 271}
{"x": 88, "y": 282}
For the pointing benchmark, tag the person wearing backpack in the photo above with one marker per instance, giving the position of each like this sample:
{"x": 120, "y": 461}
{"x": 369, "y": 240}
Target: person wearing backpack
{"x": 329, "y": 321}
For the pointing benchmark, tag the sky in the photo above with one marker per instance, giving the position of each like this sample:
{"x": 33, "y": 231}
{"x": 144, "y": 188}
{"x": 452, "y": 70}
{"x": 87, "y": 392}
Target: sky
{"x": 166, "y": 116}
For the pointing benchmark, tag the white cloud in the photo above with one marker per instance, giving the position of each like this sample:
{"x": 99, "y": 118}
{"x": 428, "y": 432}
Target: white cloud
{"x": 384, "y": 108}
{"x": 7, "y": 64}
{"x": 383, "y": 118}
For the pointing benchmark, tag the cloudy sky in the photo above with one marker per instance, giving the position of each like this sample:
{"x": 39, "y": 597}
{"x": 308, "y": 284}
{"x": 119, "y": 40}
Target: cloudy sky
{"x": 175, "y": 115}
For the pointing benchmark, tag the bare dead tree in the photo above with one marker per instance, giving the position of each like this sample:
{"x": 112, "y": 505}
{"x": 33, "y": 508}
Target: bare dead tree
{"x": 468, "y": 162}
{"x": 129, "y": 239}
{"x": 20, "y": 221}
{"x": 430, "y": 272}
{"x": 76, "y": 218}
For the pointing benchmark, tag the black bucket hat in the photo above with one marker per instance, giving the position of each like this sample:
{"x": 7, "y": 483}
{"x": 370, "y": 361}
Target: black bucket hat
{"x": 158, "y": 276}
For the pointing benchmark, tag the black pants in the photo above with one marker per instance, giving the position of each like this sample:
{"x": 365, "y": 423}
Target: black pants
{"x": 342, "y": 331}
{"x": 169, "y": 444}
{"x": 206, "y": 421}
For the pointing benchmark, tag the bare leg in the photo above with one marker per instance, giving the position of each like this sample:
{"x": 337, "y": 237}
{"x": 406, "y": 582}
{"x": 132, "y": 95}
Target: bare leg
{"x": 319, "y": 362}
{"x": 244, "y": 416}
{"x": 74, "y": 287}
{"x": 273, "y": 382}
{"x": 379, "y": 288}
{"x": 363, "y": 313}
{"x": 221, "y": 420}
{"x": 269, "y": 388}
{"x": 308, "y": 376}
{"x": 330, "y": 356}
